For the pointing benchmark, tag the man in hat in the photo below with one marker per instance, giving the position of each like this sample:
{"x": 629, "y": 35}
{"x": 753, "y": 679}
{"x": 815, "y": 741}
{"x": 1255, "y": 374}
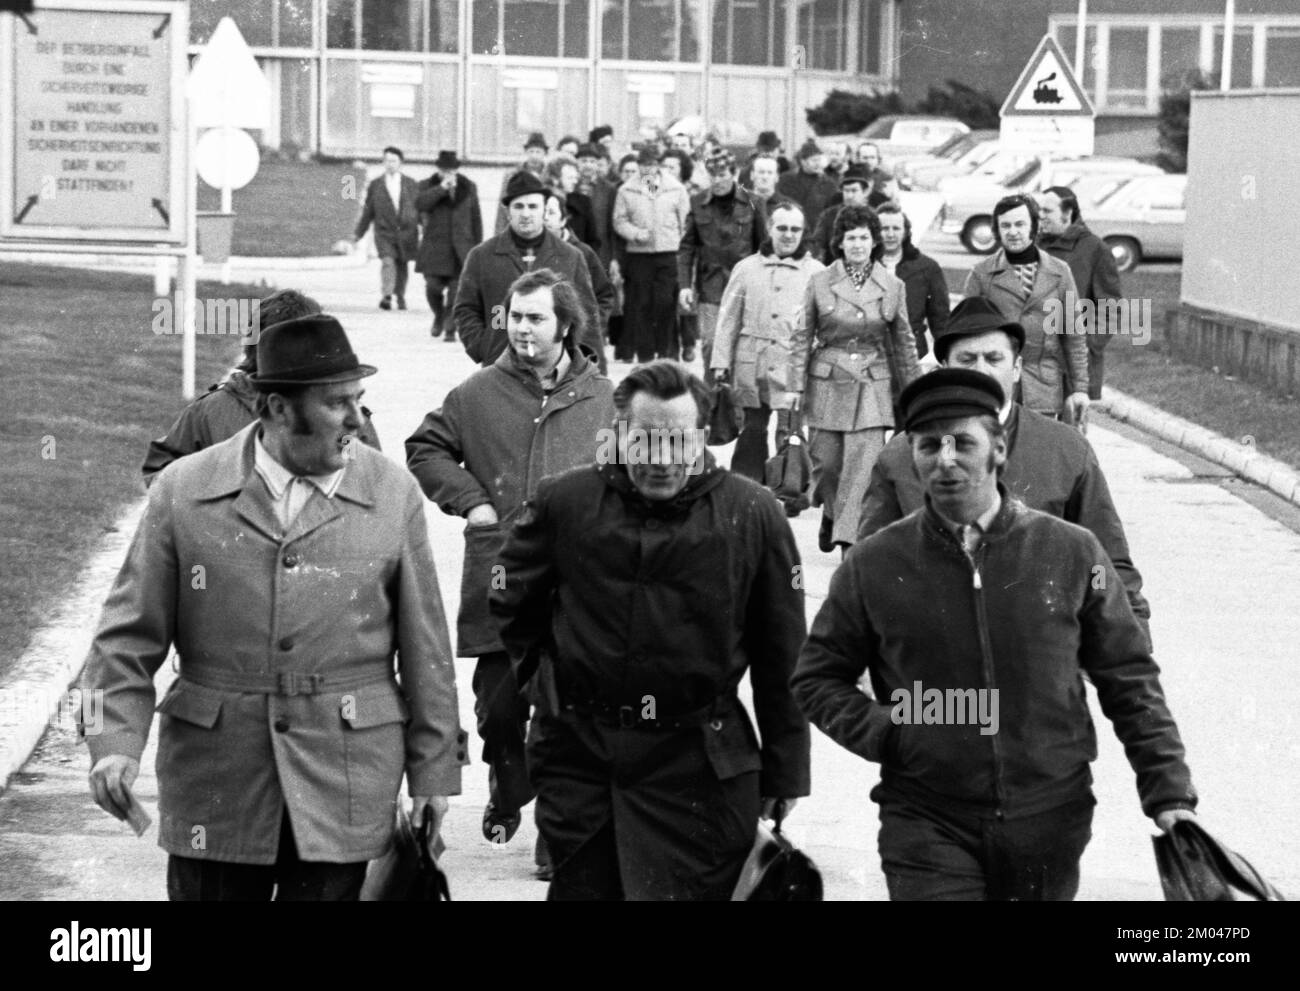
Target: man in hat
{"x": 453, "y": 225}
{"x": 650, "y": 212}
{"x": 524, "y": 246}
{"x": 853, "y": 192}
{"x": 650, "y": 780}
{"x": 976, "y": 619}
{"x": 286, "y": 566}
{"x": 535, "y": 151}
{"x": 231, "y": 404}
{"x": 723, "y": 226}
{"x": 1050, "y": 466}
{"x": 806, "y": 184}
{"x": 535, "y": 412}
{"x": 390, "y": 207}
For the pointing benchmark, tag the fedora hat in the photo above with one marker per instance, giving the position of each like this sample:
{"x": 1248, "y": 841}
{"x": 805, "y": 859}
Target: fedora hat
{"x": 311, "y": 350}
{"x": 973, "y": 316}
{"x": 523, "y": 184}
{"x": 447, "y": 160}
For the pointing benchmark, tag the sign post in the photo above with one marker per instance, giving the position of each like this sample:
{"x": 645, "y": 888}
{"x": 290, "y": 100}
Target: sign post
{"x": 1047, "y": 112}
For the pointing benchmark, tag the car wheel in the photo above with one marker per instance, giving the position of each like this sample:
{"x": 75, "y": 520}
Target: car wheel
{"x": 977, "y": 236}
{"x": 1126, "y": 252}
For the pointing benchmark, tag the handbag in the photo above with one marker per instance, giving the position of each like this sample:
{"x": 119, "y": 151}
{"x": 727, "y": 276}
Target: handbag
{"x": 407, "y": 872}
{"x": 1195, "y": 867}
{"x": 727, "y": 418}
{"x": 776, "y": 870}
{"x": 789, "y": 475}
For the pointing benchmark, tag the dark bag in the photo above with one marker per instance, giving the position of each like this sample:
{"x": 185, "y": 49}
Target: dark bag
{"x": 1195, "y": 867}
{"x": 789, "y": 475}
{"x": 728, "y": 416}
{"x": 406, "y": 873}
{"x": 776, "y": 871}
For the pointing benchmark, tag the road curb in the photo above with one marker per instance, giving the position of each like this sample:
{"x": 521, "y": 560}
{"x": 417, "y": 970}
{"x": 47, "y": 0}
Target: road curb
{"x": 1241, "y": 459}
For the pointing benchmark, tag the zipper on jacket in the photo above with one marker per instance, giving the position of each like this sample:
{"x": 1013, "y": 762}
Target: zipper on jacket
{"x": 986, "y": 653}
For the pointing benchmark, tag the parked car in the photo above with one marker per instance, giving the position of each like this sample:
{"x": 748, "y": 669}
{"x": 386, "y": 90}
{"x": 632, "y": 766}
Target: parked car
{"x": 899, "y": 136}
{"x": 987, "y": 159}
{"x": 951, "y": 153}
{"x": 1141, "y": 217}
{"x": 968, "y": 201}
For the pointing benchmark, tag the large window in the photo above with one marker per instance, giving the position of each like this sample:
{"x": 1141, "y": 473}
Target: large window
{"x": 391, "y": 25}
{"x": 1282, "y": 57}
{"x": 1127, "y": 78}
{"x": 1180, "y": 53}
{"x": 651, "y": 30}
{"x": 1066, "y": 38}
{"x": 547, "y": 28}
{"x": 749, "y": 32}
{"x": 1242, "y": 47}
{"x": 871, "y": 32}
{"x": 255, "y": 19}
{"x": 822, "y": 33}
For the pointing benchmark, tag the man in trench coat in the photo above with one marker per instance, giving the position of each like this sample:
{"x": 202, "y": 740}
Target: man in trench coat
{"x": 286, "y": 565}
{"x": 641, "y": 590}
{"x": 496, "y": 436}
{"x": 452, "y": 223}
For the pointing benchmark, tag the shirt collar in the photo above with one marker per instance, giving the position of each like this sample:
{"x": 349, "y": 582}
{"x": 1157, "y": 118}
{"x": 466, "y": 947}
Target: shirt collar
{"x": 278, "y": 478}
{"x": 982, "y": 524}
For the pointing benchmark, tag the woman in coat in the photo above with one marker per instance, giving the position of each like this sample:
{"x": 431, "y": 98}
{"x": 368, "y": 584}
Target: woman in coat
{"x": 857, "y": 348}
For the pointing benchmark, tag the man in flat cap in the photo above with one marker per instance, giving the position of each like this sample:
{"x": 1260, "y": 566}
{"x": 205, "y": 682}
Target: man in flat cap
{"x": 524, "y": 246}
{"x": 976, "y": 619}
{"x": 286, "y": 566}
{"x": 1050, "y": 466}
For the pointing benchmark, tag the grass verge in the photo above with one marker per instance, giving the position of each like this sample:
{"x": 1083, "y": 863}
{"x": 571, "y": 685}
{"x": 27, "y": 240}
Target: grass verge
{"x": 85, "y": 384}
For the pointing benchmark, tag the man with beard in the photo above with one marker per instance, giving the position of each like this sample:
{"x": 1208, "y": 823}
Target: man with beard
{"x": 491, "y": 268}
{"x": 453, "y": 225}
{"x": 762, "y": 305}
{"x": 976, "y": 620}
{"x": 1050, "y": 466}
{"x": 286, "y": 566}
{"x": 724, "y": 225}
{"x": 641, "y": 614}
{"x": 535, "y": 412}
{"x": 1063, "y": 233}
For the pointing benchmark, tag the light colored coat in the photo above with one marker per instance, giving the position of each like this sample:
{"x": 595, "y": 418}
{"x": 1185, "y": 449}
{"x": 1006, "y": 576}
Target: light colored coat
{"x": 762, "y": 307}
{"x": 1052, "y": 368}
{"x": 317, "y": 612}
{"x": 662, "y": 213}
{"x": 843, "y": 345}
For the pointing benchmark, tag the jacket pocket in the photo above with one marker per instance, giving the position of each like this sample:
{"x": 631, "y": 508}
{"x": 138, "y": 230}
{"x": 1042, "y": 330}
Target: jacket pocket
{"x": 820, "y": 368}
{"x": 191, "y": 704}
{"x": 364, "y": 711}
{"x": 374, "y": 752}
{"x": 731, "y": 745}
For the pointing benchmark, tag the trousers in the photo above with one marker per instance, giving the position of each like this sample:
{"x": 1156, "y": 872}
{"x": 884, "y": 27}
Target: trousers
{"x": 502, "y": 713}
{"x": 650, "y": 309}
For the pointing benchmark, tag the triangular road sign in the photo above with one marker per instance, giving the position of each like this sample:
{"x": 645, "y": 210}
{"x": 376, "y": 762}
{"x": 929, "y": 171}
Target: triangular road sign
{"x": 226, "y": 87}
{"x": 1047, "y": 87}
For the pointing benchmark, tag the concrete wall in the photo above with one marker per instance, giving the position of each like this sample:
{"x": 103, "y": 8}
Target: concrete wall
{"x": 1242, "y": 243}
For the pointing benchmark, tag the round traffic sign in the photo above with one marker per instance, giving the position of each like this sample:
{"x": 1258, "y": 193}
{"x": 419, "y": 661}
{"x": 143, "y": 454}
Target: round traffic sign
{"x": 226, "y": 157}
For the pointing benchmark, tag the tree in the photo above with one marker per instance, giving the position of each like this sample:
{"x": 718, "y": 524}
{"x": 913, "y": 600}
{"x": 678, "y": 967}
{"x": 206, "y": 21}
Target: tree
{"x": 843, "y": 112}
{"x": 977, "y": 109}
{"x": 1175, "y": 121}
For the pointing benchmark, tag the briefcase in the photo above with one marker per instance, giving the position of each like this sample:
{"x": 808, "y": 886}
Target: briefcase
{"x": 728, "y": 416}
{"x": 777, "y": 871}
{"x": 1195, "y": 867}
{"x": 406, "y": 873}
{"x": 789, "y": 475}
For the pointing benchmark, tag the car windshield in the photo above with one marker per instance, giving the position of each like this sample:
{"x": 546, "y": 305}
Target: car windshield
{"x": 1022, "y": 175}
{"x": 954, "y": 148}
{"x": 880, "y": 128}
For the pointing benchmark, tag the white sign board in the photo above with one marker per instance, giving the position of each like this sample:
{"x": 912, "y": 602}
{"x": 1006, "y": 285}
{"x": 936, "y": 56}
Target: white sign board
{"x": 226, "y": 158}
{"x": 226, "y": 87}
{"x": 93, "y": 144}
{"x": 1047, "y": 111}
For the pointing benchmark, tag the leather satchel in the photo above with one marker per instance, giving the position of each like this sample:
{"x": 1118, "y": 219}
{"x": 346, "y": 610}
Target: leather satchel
{"x": 1195, "y": 867}
{"x": 777, "y": 871}
{"x": 407, "y": 873}
{"x": 728, "y": 416}
{"x": 789, "y": 475}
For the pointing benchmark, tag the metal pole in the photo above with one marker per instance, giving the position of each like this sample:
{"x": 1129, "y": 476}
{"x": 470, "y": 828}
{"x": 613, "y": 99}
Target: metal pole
{"x": 1079, "y": 46}
{"x": 1229, "y": 23}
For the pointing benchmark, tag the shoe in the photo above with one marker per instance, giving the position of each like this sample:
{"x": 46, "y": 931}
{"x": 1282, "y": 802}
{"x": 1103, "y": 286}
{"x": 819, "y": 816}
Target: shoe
{"x": 688, "y": 355}
{"x": 386, "y": 303}
{"x": 824, "y": 542}
{"x": 498, "y": 826}
{"x": 401, "y": 303}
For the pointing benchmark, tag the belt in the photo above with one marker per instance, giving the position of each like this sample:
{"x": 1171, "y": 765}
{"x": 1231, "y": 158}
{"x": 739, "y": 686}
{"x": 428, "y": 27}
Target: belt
{"x": 629, "y": 716}
{"x": 285, "y": 682}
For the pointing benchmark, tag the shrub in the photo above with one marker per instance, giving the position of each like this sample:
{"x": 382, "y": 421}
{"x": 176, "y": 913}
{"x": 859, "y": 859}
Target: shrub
{"x": 1175, "y": 119}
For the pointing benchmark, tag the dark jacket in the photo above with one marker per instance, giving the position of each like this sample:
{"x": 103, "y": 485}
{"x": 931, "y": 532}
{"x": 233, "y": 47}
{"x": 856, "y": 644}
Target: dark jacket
{"x": 600, "y": 284}
{"x": 397, "y": 225}
{"x": 812, "y": 192}
{"x": 715, "y": 240}
{"x": 927, "y": 295}
{"x": 1050, "y": 466}
{"x": 822, "y": 231}
{"x": 496, "y": 436}
{"x": 1026, "y": 616}
{"x": 601, "y": 193}
{"x": 486, "y": 278}
{"x": 582, "y": 219}
{"x": 1093, "y": 267}
{"x": 217, "y": 415}
{"x": 666, "y": 604}
{"x": 453, "y": 225}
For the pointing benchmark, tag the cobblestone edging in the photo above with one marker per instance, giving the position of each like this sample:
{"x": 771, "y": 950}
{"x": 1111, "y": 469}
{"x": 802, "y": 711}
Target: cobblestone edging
{"x": 1242, "y": 459}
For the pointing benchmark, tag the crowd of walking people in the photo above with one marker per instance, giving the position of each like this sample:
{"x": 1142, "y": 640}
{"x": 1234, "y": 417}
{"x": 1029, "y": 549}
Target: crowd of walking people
{"x": 618, "y": 583}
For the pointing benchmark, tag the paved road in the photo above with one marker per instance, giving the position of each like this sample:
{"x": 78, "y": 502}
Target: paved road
{"x": 1214, "y": 564}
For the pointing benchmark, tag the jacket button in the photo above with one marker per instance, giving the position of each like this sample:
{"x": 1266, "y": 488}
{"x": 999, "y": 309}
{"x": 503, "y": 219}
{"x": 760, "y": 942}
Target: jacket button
{"x": 861, "y": 315}
{"x": 286, "y": 643}
{"x": 282, "y": 725}
{"x": 537, "y": 419}
{"x": 291, "y": 560}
